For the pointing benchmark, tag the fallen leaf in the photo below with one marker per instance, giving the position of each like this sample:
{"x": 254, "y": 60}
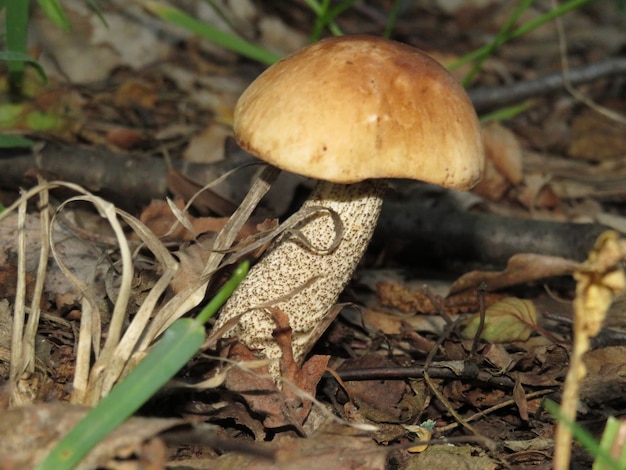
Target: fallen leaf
{"x": 509, "y": 320}
{"x": 377, "y": 400}
{"x": 596, "y": 137}
{"x": 503, "y": 167}
{"x": 605, "y": 382}
{"x": 445, "y": 456}
{"x": 28, "y": 434}
{"x": 521, "y": 268}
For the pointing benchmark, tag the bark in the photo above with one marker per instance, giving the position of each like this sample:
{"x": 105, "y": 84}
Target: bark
{"x": 430, "y": 228}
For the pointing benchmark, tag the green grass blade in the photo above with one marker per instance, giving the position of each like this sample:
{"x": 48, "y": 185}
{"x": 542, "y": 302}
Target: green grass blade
{"x": 16, "y": 17}
{"x": 12, "y": 56}
{"x": 55, "y": 13}
{"x": 96, "y": 9}
{"x": 612, "y": 431}
{"x": 177, "y": 346}
{"x": 505, "y": 113}
{"x": 391, "y": 20}
{"x": 501, "y": 37}
{"x": 323, "y": 19}
{"x": 224, "y": 293}
{"x": 520, "y": 31}
{"x": 224, "y": 39}
{"x": 583, "y": 437}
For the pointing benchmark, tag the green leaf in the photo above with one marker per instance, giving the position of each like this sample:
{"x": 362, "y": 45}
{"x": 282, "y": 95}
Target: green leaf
{"x": 12, "y": 56}
{"x": 16, "y": 18}
{"x": 611, "y": 440}
{"x": 206, "y": 31}
{"x": 96, "y": 9}
{"x": 488, "y": 49}
{"x": 55, "y": 13}
{"x": 14, "y": 141}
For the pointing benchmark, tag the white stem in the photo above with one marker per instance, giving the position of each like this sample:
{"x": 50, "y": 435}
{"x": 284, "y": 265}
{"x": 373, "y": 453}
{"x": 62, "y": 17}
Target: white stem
{"x": 288, "y": 266}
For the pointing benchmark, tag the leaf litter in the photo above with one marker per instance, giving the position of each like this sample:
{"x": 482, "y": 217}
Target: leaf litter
{"x": 404, "y": 355}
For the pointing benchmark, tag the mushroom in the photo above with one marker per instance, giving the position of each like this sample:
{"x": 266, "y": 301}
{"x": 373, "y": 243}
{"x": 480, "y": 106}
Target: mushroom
{"x": 348, "y": 111}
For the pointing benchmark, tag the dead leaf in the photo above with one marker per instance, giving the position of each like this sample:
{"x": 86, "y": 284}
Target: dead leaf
{"x": 503, "y": 167}
{"x": 208, "y": 145}
{"x": 537, "y": 192}
{"x": 159, "y": 218}
{"x": 278, "y": 408}
{"x": 125, "y": 138}
{"x": 606, "y": 376}
{"x": 205, "y": 202}
{"x": 451, "y": 457}
{"x": 519, "y": 395}
{"x": 132, "y": 93}
{"x": 377, "y": 400}
{"x": 27, "y": 434}
{"x": 521, "y": 268}
{"x": 596, "y": 137}
{"x": 503, "y": 148}
{"x": 336, "y": 448}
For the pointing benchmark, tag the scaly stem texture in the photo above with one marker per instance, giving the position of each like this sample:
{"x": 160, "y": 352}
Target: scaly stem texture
{"x": 283, "y": 277}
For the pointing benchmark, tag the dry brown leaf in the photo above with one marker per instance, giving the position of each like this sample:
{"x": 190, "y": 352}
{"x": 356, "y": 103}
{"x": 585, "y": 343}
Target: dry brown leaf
{"x": 338, "y": 448}
{"x": 289, "y": 406}
{"x": 519, "y": 395}
{"x": 206, "y": 201}
{"x": 504, "y": 150}
{"x": 493, "y": 185}
{"x": 596, "y": 137}
{"x": 159, "y": 218}
{"x": 125, "y": 138}
{"x": 445, "y": 456}
{"x": 134, "y": 93}
{"x": 521, "y": 268}
{"x": 28, "y": 433}
{"x": 377, "y": 400}
{"x": 397, "y": 295}
{"x": 537, "y": 192}
{"x": 606, "y": 376}
{"x": 207, "y": 146}
{"x": 504, "y": 162}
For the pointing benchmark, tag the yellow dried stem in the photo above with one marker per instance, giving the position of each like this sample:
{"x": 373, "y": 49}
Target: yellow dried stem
{"x": 598, "y": 279}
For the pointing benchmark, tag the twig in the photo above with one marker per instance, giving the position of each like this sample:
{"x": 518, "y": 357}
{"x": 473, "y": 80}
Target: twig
{"x": 449, "y": 407}
{"x": 486, "y": 98}
{"x": 491, "y": 409}
{"x": 453, "y": 370}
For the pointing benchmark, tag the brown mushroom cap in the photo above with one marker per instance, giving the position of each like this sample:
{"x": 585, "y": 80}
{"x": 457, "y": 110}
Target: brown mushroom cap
{"x": 351, "y": 108}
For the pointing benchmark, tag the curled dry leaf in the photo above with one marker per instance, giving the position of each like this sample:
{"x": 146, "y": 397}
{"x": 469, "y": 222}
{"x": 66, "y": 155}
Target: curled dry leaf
{"x": 28, "y": 433}
{"x": 521, "y": 268}
{"x": 504, "y": 161}
{"x": 509, "y": 320}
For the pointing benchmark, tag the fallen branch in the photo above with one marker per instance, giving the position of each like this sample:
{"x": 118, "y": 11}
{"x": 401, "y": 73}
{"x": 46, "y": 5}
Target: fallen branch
{"x": 488, "y": 98}
{"x": 430, "y": 226}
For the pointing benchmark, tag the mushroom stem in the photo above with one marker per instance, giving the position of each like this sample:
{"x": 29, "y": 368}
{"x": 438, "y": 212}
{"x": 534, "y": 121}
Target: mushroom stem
{"x": 300, "y": 282}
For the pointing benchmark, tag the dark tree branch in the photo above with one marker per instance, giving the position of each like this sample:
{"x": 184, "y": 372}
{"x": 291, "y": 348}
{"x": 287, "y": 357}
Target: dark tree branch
{"x": 488, "y": 98}
{"x": 429, "y": 227}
